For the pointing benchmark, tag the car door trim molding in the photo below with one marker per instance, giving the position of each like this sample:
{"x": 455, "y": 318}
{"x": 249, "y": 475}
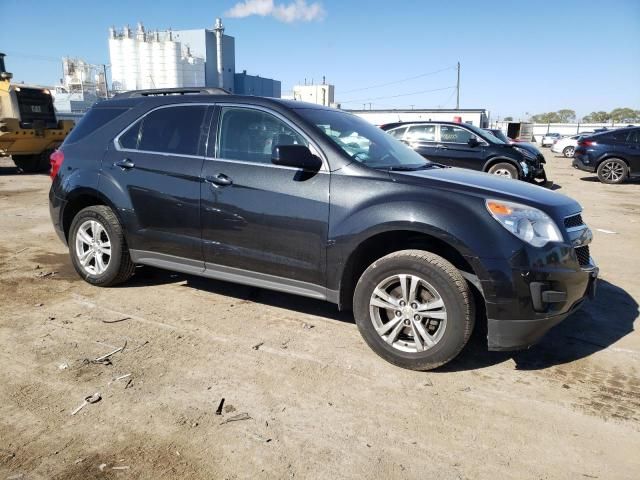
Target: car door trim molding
{"x": 231, "y": 274}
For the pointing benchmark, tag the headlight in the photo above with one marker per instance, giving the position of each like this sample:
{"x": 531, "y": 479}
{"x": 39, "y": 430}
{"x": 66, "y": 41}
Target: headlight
{"x": 527, "y": 223}
{"x": 527, "y": 154}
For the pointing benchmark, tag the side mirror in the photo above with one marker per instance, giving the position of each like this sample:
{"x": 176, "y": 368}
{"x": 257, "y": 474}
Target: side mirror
{"x": 473, "y": 142}
{"x": 297, "y": 156}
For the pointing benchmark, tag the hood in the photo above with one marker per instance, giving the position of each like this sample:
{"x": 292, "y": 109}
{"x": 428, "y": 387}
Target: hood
{"x": 485, "y": 185}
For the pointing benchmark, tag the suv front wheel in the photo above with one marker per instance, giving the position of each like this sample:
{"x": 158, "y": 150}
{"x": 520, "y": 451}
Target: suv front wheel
{"x": 504, "y": 169}
{"x": 97, "y": 247}
{"x": 414, "y": 309}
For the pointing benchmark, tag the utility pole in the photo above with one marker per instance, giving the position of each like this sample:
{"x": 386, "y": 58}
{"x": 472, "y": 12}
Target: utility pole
{"x": 458, "y": 89}
{"x": 106, "y": 84}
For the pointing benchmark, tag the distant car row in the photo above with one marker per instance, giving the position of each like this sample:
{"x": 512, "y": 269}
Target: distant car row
{"x": 614, "y": 155}
{"x": 467, "y": 146}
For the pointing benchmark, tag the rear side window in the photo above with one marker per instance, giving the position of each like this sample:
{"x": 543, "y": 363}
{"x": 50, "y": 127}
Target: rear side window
{"x": 92, "y": 120}
{"x": 129, "y": 139}
{"x": 634, "y": 136}
{"x": 172, "y": 130}
{"x": 398, "y": 132}
{"x": 424, "y": 133}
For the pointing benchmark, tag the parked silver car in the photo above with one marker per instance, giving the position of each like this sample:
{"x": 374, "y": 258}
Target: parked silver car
{"x": 549, "y": 139}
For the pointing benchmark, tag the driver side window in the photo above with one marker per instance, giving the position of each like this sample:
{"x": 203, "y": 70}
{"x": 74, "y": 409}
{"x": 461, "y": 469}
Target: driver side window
{"x": 250, "y": 135}
{"x": 451, "y": 134}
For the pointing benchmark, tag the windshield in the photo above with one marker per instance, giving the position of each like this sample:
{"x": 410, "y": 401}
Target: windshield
{"x": 363, "y": 141}
{"x": 499, "y": 134}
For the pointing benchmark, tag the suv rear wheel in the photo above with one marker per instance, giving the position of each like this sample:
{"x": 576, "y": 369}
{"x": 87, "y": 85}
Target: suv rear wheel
{"x": 504, "y": 169}
{"x": 612, "y": 170}
{"x": 414, "y": 309}
{"x": 97, "y": 247}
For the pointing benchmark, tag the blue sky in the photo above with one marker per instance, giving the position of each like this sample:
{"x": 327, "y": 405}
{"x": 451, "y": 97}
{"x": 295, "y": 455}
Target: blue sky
{"x": 516, "y": 57}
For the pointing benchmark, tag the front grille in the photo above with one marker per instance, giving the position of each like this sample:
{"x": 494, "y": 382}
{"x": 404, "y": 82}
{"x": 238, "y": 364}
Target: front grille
{"x": 583, "y": 255}
{"x": 573, "y": 221}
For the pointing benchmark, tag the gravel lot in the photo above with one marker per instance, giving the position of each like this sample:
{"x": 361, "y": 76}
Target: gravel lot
{"x": 321, "y": 404}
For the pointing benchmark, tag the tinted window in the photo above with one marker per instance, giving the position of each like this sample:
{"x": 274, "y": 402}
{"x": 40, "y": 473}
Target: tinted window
{"x": 451, "y": 134}
{"x": 634, "y": 136}
{"x": 129, "y": 139}
{"x": 251, "y": 135}
{"x": 398, "y": 132}
{"x": 173, "y": 130}
{"x": 424, "y": 133}
{"x": 92, "y": 120}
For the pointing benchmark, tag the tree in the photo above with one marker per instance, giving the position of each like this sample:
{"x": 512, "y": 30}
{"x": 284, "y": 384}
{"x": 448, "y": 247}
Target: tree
{"x": 624, "y": 115}
{"x": 549, "y": 117}
{"x": 566, "y": 115}
{"x": 508, "y": 119}
{"x": 597, "y": 117}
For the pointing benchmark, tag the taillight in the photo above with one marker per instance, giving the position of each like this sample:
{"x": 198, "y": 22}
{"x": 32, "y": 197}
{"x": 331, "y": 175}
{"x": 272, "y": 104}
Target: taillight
{"x": 586, "y": 143}
{"x": 56, "y": 159}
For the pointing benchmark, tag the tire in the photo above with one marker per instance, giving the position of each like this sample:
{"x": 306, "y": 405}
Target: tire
{"x": 612, "y": 171}
{"x": 569, "y": 151}
{"x": 112, "y": 268}
{"x": 32, "y": 163}
{"x": 438, "y": 282}
{"x": 504, "y": 169}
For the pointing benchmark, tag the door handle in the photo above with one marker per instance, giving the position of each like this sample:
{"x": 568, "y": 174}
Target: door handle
{"x": 221, "y": 180}
{"x": 125, "y": 164}
{"x": 442, "y": 147}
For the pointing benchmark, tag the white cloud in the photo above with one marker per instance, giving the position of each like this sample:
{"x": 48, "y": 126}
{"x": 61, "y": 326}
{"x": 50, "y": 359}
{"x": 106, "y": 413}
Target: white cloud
{"x": 295, "y": 11}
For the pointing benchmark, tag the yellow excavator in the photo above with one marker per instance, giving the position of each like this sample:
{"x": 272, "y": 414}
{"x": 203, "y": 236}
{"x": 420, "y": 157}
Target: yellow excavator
{"x": 29, "y": 130}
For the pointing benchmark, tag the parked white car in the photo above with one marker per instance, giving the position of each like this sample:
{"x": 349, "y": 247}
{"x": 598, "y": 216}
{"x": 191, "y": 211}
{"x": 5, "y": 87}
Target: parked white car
{"x": 567, "y": 145}
{"x": 549, "y": 139}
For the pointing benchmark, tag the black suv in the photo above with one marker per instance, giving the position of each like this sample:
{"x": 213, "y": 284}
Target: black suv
{"x": 317, "y": 202}
{"x": 614, "y": 155}
{"x": 466, "y": 146}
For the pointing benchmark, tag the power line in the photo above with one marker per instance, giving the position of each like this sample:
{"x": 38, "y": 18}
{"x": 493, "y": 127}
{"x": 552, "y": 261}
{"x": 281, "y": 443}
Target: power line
{"x": 360, "y": 100}
{"x": 400, "y": 81}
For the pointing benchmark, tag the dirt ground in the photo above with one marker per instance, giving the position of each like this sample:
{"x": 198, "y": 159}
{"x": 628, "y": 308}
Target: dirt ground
{"x": 320, "y": 403}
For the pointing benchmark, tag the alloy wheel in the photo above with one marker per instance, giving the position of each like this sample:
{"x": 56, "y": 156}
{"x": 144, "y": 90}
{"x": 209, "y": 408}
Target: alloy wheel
{"x": 408, "y": 313}
{"x": 93, "y": 247}
{"x": 503, "y": 172}
{"x": 612, "y": 171}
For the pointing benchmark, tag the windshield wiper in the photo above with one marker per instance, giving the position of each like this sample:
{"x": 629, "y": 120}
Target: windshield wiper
{"x": 409, "y": 168}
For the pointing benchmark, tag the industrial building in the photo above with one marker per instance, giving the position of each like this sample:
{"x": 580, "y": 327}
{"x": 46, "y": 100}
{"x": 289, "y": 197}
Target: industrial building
{"x": 322, "y": 94}
{"x": 180, "y": 58}
{"x": 473, "y": 116}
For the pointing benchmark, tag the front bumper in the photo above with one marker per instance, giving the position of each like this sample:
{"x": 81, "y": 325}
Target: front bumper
{"x": 519, "y": 334}
{"x": 531, "y": 292}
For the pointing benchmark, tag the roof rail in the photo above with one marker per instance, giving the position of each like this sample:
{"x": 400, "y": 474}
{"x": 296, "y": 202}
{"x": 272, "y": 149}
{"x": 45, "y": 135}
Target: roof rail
{"x": 172, "y": 91}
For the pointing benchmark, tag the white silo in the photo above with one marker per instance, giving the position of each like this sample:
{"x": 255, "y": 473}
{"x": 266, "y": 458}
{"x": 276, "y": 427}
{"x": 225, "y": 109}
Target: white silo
{"x": 144, "y": 58}
{"x": 158, "y": 67}
{"x": 130, "y": 60}
{"x": 172, "y": 59}
{"x": 116, "y": 60}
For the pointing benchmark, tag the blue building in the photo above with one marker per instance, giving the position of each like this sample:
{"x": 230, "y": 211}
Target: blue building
{"x": 256, "y": 85}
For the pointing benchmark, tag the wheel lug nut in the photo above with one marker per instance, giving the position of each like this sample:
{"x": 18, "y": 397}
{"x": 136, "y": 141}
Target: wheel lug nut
{"x": 414, "y": 305}
{"x": 398, "y": 313}
{"x": 416, "y": 317}
{"x": 402, "y": 303}
{"x": 406, "y": 322}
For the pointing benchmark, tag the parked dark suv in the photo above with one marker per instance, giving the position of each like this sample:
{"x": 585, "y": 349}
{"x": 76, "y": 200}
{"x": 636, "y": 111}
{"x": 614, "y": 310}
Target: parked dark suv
{"x": 317, "y": 202}
{"x": 614, "y": 155}
{"x": 466, "y": 146}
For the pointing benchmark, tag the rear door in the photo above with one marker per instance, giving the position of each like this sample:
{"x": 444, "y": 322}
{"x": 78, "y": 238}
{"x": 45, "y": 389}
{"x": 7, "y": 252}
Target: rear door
{"x": 157, "y": 164}
{"x": 260, "y": 220}
{"x": 454, "y": 148}
{"x": 630, "y": 149}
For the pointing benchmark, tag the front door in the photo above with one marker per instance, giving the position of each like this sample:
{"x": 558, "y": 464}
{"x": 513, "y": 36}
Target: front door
{"x": 257, "y": 217}
{"x": 157, "y": 162}
{"x": 454, "y": 148}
